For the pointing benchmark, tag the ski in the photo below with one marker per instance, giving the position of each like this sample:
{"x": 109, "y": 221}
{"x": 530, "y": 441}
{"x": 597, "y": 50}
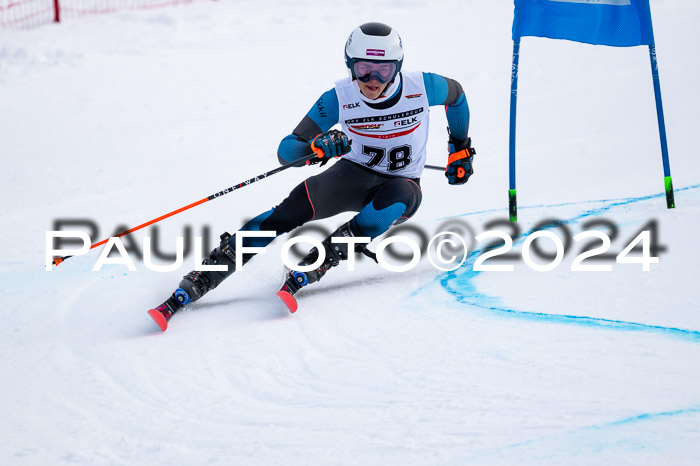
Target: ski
{"x": 162, "y": 314}
{"x": 293, "y": 282}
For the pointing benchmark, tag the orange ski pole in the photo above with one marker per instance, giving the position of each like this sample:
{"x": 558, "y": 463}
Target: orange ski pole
{"x": 296, "y": 163}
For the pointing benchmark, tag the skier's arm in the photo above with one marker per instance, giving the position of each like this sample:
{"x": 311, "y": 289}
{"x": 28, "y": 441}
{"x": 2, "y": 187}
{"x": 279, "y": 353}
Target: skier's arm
{"x": 448, "y": 92}
{"x": 322, "y": 116}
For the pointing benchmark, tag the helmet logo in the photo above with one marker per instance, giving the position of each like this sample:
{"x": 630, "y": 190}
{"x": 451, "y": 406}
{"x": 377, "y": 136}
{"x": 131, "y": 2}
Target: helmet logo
{"x": 375, "y": 52}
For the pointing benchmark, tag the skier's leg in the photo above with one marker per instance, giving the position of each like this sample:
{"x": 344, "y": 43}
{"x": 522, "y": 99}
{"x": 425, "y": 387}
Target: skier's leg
{"x": 324, "y": 195}
{"x": 294, "y": 211}
{"x": 394, "y": 202}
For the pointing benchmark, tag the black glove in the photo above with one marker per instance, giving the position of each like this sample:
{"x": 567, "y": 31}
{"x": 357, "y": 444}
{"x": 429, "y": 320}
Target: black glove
{"x": 328, "y": 145}
{"x": 459, "y": 164}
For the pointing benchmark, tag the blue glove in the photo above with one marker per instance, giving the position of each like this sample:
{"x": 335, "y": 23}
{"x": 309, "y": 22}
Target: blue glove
{"x": 459, "y": 164}
{"x": 331, "y": 144}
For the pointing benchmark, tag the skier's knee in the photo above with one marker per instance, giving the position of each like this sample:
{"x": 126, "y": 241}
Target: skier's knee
{"x": 395, "y": 203}
{"x": 372, "y": 221}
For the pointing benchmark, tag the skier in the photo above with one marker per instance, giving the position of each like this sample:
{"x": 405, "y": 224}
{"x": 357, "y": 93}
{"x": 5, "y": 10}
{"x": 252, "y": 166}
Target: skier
{"x": 383, "y": 113}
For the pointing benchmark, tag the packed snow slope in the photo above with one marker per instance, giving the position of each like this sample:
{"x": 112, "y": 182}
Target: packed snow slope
{"x": 121, "y": 118}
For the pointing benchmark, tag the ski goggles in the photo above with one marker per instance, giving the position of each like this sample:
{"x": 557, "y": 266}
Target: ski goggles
{"x": 382, "y": 71}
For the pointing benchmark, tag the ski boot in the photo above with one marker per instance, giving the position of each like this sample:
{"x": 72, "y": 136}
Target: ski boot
{"x": 197, "y": 283}
{"x": 294, "y": 281}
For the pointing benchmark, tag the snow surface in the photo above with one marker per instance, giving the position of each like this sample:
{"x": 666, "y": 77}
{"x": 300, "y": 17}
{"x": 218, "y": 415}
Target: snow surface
{"x": 121, "y": 118}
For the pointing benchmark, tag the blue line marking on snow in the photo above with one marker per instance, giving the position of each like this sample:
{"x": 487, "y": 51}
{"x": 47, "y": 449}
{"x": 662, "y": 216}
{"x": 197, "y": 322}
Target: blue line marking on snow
{"x": 649, "y": 416}
{"x": 460, "y": 283}
{"x": 621, "y": 422}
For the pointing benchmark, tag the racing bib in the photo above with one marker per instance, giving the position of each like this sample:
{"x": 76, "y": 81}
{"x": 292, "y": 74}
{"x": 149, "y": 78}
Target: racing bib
{"x": 391, "y": 140}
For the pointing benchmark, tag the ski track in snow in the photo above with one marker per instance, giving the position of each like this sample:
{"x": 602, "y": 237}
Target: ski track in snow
{"x": 460, "y": 283}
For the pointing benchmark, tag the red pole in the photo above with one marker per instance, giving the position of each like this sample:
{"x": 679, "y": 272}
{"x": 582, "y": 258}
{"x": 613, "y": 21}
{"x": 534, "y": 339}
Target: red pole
{"x": 57, "y": 11}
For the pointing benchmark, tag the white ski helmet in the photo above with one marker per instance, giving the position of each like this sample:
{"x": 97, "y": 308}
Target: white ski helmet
{"x": 375, "y": 43}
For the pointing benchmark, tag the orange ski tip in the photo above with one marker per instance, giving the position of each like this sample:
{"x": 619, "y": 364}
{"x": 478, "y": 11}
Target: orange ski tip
{"x": 288, "y": 300}
{"x": 159, "y": 319}
{"x": 57, "y": 260}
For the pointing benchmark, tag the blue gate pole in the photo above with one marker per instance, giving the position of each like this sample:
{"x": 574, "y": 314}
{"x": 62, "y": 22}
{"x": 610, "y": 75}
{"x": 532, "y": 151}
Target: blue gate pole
{"x": 512, "y": 201}
{"x": 668, "y": 183}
